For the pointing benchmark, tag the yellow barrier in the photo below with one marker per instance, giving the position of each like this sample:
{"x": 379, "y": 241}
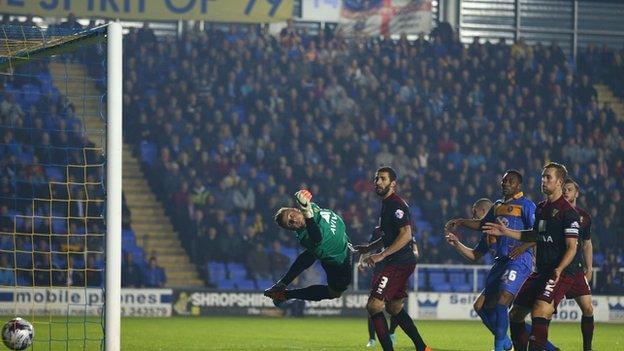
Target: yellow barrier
{"x": 250, "y": 11}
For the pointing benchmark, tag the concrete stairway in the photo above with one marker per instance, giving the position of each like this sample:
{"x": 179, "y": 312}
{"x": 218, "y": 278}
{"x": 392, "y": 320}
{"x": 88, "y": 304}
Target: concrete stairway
{"x": 606, "y": 95}
{"x": 153, "y": 229}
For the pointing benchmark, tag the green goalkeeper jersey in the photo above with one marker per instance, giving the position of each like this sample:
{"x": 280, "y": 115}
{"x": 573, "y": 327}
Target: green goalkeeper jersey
{"x": 333, "y": 246}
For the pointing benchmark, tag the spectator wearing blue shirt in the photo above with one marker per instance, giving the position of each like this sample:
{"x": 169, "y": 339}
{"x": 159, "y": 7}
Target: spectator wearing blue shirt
{"x": 7, "y": 272}
{"x": 154, "y": 276}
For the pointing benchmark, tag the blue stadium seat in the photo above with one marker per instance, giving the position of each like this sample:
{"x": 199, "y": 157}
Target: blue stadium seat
{"x": 54, "y": 174}
{"x": 245, "y": 284}
{"x": 216, "y": 271}
{"x": 422, "y": 279}
{"x": 442, "y": 287}
{"x": 290, "y": 252}
{"x": 237, "y": 271}
{"x": 30, "y": 94}
{"x": 437, "y": 279}
{"x": 457, "y": 276}
{"x": 24, "y": 260}
{"x": 416, "y": 212}
{"x": 599, "y": 259}
{"x": 264, "y": 283}
{"x": 481, "y": 274}
{"x": 224, "y": 284}
{"x": 462, "y": 288}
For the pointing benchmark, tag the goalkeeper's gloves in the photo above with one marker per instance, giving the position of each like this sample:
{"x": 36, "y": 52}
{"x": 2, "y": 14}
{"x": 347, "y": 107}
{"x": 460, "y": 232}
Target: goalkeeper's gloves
{"x": 303, "y": 198}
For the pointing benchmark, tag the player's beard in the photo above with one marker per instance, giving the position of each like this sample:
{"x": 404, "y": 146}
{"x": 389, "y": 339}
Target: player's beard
{"x": 382, "y": 191}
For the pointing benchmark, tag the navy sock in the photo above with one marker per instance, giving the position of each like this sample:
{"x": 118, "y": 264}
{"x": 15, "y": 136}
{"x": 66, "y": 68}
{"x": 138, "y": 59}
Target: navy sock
{"x": 539, "y": 334}
{"x": 548, "y": 347}
{"x": 393, "y": 325}
{"x": 486, "y": 317}
{"x": 311, "y": 293}
{"x": 587, "y": 328}
{"x": 371, "y": 329}
{"x": 407, "y": 324}
{"x": 519, "y": 335}
{"x": 381, "y": 328}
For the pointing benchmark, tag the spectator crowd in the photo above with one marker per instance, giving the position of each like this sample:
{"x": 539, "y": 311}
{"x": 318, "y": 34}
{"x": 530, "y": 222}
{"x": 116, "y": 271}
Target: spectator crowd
{"x": 229, "y": 124}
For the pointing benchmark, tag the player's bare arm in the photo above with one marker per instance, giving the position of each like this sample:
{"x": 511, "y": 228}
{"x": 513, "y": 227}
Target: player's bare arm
{"x": 474, "y": 224}
{"x": 519, "y": 250}
{"x": 498, "y": 229}
{"x": 571, "y": 248}
{"x": 404, "y": 238}
{"x": 588, "y": 256}
{"x": 463, "y": 250}
{"x": 366, "y": 248}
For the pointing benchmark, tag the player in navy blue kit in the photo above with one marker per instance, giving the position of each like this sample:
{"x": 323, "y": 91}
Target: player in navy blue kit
{"x": 507, "y": 275}
{"x": 556, "y": 232}
{"x": 390, "y": 287}
{"x": 377, "y": 270}
{"x": 580, "y": 291}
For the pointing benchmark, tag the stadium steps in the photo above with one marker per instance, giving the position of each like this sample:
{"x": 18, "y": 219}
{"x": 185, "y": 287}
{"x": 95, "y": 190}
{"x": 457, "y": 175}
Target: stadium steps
{"x": 153, "y": 230}
{"x": 605, "y": 95}
{"x": 73, "y": 81}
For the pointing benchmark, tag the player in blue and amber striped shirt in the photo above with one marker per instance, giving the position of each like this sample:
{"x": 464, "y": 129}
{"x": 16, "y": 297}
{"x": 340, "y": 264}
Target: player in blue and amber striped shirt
{"x": 507, "y": 275}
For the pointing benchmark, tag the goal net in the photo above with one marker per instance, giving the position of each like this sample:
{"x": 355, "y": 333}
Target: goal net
{"x": 59, "y": 256}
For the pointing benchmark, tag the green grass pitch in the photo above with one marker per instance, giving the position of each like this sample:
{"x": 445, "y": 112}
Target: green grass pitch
{"x": 310, "y": 333}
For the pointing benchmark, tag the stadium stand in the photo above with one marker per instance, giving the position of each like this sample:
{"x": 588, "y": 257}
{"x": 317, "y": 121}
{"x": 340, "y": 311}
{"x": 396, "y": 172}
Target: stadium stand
{"x": 229, "y": 124}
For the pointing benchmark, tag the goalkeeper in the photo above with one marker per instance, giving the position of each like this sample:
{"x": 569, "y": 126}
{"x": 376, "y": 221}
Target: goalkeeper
{"x": 322, "y": 233}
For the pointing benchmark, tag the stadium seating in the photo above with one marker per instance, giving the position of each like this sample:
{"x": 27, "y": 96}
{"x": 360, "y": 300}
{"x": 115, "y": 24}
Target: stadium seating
{"x": 280, "y": 119}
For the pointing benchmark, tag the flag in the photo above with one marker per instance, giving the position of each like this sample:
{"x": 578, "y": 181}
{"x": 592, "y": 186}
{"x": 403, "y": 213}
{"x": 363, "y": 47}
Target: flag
{"x": 382, "y": 17}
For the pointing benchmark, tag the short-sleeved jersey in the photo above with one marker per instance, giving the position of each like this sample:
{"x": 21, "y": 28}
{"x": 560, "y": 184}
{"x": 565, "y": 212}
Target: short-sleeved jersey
{"x": 517, "y": 213}
{"x": 333, "y": 246}
{"x": 395, "y": 215}
{"x": 584, "y": 232}
{"x": 554, "y": 222}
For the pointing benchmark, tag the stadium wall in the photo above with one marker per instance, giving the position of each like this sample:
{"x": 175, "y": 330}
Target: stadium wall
{"x": 458, "y": 306}
{"x": 198, "y": 302}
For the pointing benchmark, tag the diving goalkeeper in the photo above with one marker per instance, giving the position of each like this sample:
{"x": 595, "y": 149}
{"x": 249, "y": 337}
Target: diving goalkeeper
{"x": 322, "y": 233}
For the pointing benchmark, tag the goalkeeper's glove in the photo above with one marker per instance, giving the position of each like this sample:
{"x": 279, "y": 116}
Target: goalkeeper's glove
{"x": 303, "y": 198}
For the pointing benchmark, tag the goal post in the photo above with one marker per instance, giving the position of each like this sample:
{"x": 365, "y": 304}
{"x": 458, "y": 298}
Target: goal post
{"x": 113, "y": 199}
{"x": 61, "y": 182}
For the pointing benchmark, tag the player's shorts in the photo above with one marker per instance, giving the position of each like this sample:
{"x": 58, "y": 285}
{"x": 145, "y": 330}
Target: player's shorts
{"x": 537, "y": 288}
{"x": 391, "y": 283}
{"x": 339, "y": 276}
{"x": 506, "y": 276}
{"x": 580, "y": 287}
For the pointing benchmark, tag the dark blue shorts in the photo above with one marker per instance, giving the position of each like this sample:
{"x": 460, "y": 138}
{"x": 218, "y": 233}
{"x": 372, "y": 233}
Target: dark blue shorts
{"x": 339, "y": 276}
{"x": 506, "y": 276}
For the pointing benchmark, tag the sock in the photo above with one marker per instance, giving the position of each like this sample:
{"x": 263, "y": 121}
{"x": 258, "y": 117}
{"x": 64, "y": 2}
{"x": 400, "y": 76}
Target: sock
{"x": 407, "y": 324}
{"x": 486, "y": 316}
{"x": 393, "y": 325}
{"x": 539, "y": 334}
{"x": 501, "y": 326}
{"x": 381, "y": 328}
{"x": 519, "y": 335}
{"x": 311, "y": 293}
{"x": 549, "y": 346}
{"x": 587, "y": 328}
{"x": 371, "y": 329}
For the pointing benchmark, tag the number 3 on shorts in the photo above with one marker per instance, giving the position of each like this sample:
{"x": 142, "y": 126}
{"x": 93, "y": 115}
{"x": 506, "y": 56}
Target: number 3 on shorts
{"x": 383, "y": 282}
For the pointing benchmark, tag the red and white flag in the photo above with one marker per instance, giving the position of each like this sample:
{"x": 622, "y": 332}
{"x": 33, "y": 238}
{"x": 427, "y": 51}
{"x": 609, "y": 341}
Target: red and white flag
{"x": 381, "y": 17}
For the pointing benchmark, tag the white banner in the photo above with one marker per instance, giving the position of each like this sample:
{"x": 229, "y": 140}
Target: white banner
{"x": 458, "y": 306}
{"x": 381, "y": 17}
{"x": 80, "y": 301}
{"x": 321, "y": 10}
